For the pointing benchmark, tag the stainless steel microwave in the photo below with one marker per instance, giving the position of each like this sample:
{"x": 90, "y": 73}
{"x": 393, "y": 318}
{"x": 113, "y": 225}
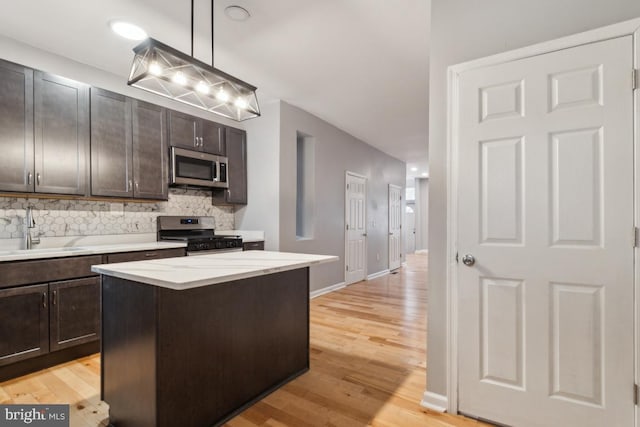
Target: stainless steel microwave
{"x": 197, "y": 169}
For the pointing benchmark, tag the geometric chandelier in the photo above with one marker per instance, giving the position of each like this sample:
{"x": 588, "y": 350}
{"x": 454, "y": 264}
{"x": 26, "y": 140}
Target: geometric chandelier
{"x": 166, "y": 71}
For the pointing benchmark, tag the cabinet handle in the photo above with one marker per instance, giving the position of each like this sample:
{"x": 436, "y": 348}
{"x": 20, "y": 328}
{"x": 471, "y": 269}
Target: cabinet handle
{"x": 137, "y": 186}
{"x": 150, "y": 254}
{"x": 29, "y": 178}
{"x": 37, "y": 179}
{"x": 201, "y": 141}
{"x": 44, "y": 299}
{"x": 54, "y": 295}
{"x": 130, "y": 187}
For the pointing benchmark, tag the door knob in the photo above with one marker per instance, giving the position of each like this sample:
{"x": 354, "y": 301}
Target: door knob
{"x": 468, "y": 260}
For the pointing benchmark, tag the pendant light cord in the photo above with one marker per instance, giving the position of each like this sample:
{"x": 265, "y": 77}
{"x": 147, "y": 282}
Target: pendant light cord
{"x": 211, "y": 34}
{"x": 211, "y": 31}
{"x": 192, "y": 28}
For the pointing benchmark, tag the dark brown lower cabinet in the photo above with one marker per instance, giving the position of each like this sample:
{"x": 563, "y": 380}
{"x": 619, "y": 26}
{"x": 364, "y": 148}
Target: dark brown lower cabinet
{"x": 24, "y": 323}
{"x": 35, "y": 320}
{"x": 50, "y": 309}
{"x": 74, "y": 312}
{"x": 197, "y": 357}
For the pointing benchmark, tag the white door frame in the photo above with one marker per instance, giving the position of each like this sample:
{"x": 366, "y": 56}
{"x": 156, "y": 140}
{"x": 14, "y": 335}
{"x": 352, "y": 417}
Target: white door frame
{"x": 631, "y": 27}
{"x": 346, "y": 235}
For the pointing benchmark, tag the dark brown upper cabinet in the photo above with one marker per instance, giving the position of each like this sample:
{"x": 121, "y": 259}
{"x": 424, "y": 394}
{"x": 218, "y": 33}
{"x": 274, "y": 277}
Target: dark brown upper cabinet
{"x": 236, "y": 194}
{"x": 44, "y": 132}
{"x": 61, "y": 135}
{"x": 150, "y": 164}
{"x": 16, "y": 127}
{"x": 194, "y": 133}
{"x": 128, "y": 147}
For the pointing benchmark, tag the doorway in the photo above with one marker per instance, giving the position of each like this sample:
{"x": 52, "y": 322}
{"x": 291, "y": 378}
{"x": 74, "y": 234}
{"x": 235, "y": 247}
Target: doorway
{"x": 355, "y": 218}
{"x": 395, "y": 227}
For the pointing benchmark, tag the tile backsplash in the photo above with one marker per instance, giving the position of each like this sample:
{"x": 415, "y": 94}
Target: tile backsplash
{"x": 63, "y": 218}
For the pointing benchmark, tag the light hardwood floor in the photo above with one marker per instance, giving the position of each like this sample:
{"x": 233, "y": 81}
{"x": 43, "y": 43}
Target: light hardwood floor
{"x": 368, "y": 359}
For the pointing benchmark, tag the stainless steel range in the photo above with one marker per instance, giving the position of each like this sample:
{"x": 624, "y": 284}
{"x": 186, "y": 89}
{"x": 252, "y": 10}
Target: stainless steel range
{"x": 199, "y": 234}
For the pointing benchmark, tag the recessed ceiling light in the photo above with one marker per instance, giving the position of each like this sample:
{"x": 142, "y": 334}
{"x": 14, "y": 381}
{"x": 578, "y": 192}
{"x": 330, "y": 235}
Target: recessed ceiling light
{"x": 128, "y": 30}
{"x": 414, "y": 169}
{"x": 237, "y": 13}
{"x": 424, "y": 174}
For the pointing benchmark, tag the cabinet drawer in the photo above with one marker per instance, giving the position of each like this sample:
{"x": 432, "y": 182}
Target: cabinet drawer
{"x": 253, "y": 246}
{"x": 145, "y": 255}
{"x": 46, "y": 270}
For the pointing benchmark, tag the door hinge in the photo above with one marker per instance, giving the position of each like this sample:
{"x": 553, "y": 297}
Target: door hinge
{"x": 347, "y": 226}
{"x": 456, "y": 257}
{"x": 346, "y": 267}
{"x": 634, "y": 79}
{"x": 347, "y": 186}
{"x": 635, "y": 394}
{"x": 635, "y": 237}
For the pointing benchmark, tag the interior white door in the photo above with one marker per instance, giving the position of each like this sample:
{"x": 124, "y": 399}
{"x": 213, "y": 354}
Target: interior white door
{"x": 356, "y": 228}
{"x": 545, "y": 202}
{"x": 395, "y": 227}
{"x": 409, "y": 230}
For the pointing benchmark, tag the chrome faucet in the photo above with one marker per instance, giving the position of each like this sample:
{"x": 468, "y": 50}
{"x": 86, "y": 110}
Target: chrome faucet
{"x": 29, "y": 224}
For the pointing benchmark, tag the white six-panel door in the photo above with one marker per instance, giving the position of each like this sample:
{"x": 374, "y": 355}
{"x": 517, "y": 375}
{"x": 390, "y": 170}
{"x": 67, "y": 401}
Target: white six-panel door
{"x": 545, "y": 207}
{"x": 356, "y": 228}
{"x": 395, "y": 227}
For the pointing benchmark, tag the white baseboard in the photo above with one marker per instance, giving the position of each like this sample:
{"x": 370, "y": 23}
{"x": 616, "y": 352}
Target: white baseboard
{"x": 378, "y": 274}
{"x": 326, "y": 290}
{"x": 435, "y": 402}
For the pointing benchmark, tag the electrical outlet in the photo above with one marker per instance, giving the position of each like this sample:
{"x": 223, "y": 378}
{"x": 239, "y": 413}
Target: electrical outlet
{"x": 116, "y": 209}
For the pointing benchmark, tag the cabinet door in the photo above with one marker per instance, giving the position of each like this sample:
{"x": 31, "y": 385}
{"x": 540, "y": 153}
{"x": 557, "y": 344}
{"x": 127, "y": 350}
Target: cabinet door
{"x": 236, "y": 194}
{"x": 24, "y": 323}
{"x": 74, "y": 312}
{"x": 61, "y": 134}
{"x": 111, "y": 161}
{"x": 151, "y": 180}
{"x": 212, "y": 138}
{"x": 16, "y": 127}
{"x": 182, "y": 131}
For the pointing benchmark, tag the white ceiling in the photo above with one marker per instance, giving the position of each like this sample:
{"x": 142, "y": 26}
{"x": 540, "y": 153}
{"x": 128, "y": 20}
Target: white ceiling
{"x": 361, "y": 65}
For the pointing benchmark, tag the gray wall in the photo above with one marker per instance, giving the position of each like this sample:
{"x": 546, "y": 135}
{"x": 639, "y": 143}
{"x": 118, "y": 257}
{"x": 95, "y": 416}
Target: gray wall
{"x": 263, "y": 185}
{"x": 462, "y": 30}
{"x": 335, "y": 153}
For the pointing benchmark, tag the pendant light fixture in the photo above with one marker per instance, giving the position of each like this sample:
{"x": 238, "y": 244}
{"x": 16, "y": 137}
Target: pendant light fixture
{"x": 166, "y": 71}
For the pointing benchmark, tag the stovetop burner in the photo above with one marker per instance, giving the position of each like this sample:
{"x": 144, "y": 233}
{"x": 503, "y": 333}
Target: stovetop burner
{"x": 197, "y": 232}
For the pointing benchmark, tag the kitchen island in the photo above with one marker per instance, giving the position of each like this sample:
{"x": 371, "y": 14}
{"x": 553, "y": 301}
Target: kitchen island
{"x": 193, "y": 341}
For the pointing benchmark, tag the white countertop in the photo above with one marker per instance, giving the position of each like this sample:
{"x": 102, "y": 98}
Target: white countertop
{"x": 202, "y": 270}
{"x": 22, "y": 254}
